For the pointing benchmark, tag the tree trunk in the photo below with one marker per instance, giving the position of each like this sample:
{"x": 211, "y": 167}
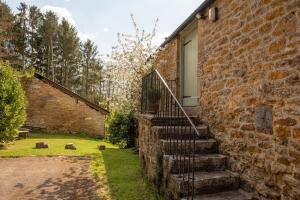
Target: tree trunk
{"x": 48, "y": 63}
{"x": 87, "y": 79}
{"x": 24, "y": 44}
{"x": 51, "y": 59}
{"x": 66, "y": 74}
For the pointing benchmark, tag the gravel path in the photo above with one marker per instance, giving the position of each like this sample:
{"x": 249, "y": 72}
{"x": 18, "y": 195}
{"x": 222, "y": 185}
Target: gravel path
{"x": 39, "y": 178}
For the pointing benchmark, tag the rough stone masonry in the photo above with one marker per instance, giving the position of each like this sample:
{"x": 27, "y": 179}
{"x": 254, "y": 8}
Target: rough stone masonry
{"x": 249, "y": 89}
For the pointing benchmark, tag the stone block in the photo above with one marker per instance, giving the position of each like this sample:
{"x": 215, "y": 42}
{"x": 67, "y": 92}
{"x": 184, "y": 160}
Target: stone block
{"x": 23, "y": 134}
{"x": 278, "y": 75}
{"x": 286, "y": 122}
{"x": 41, "y": 145}
{"x": 3, "y": 146}
{"x": 263, "y": 119}
{"x": 70, "y": 146}
{"x": 101, "y": 147}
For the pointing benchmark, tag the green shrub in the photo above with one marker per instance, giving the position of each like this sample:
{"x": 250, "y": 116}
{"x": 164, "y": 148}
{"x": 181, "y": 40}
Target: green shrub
{"x": 118, "y": 127}
{"x": 12, "y": 103}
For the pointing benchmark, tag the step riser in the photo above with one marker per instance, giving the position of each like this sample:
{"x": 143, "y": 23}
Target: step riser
{"x": 208, "y": 165}
{"x": 173, "y": 122}
{"x": 232, "y": 195}
{"x": 180, "y": 136}
{"x": 180, "y": 133}
{"x": 182, "y": 148}
{"x": 210, "y": 186}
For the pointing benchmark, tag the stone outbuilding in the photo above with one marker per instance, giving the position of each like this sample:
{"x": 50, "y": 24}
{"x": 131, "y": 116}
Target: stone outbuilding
{"x": 56, "y": 109}
{"x": 235, "y": 66}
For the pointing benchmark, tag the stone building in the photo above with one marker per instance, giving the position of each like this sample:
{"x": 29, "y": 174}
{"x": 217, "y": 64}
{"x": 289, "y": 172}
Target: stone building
{"x": 53, "y": 108}
{"x": 236, "y": 65}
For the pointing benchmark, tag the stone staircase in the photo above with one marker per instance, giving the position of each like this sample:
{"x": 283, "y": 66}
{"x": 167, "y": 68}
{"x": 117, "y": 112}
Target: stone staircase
{"x": 213, "y": 181}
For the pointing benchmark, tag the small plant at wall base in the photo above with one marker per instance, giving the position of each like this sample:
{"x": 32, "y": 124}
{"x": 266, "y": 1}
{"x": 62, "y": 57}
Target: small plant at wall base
{"x": 12, "y": 103}
{"x": 118, "y": 127}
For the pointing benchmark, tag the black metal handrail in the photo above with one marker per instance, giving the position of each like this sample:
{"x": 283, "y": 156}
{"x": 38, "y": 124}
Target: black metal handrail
{"x": 159, "y": 100}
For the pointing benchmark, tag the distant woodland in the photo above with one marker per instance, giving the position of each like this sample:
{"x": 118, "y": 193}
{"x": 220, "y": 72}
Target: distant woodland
{"x": 32, "y": 39}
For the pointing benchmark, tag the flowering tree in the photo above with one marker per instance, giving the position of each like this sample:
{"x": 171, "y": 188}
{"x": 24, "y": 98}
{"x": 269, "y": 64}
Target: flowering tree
{"x": 129, "y": 61}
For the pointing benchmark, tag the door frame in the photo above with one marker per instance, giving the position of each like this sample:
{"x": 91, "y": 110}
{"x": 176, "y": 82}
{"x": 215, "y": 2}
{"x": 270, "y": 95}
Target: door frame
{"x": 190, "y": 28}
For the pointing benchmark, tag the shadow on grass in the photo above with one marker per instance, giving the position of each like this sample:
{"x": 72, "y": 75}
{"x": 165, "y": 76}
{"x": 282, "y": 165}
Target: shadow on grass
{"x": 59, "y": 136}
{"x": 125, "y": 177}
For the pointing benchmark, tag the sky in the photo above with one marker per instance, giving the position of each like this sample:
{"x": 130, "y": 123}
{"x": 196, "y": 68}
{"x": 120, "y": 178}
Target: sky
{"x": 101, "y": 20}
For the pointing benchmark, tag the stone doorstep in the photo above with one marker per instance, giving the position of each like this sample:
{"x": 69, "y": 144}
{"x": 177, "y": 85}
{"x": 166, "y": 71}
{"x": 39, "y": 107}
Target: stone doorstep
{"x": 201, "y": 146}
{"x": 230, "y": 195}
{"x": 179, "y": 132}
{"x": 203, "y": 162}
{"x": 205, "y": 182}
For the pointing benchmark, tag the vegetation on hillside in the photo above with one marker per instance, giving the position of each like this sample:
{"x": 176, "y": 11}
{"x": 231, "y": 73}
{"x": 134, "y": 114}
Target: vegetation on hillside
{"x": 12, "y": 103}
{"x": 33, "y": 38}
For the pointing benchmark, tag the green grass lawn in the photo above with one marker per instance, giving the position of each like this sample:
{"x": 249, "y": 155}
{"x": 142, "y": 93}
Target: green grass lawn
{"x": 117, "y": 170}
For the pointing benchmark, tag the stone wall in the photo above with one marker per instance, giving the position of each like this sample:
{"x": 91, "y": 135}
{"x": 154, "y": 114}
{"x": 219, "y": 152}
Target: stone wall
{"x": 54, "y": 111}
{"x": 249, "y": 91}
{"x": 168, "y": 60}
{"x": 167, "y": 64}
{"x": 149, "y": 149}
{"x": 249, "y": 60}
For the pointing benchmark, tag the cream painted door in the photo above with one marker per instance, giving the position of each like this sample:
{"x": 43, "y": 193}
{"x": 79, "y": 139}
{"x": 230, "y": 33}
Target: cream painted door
{"x": 189, "y": 68}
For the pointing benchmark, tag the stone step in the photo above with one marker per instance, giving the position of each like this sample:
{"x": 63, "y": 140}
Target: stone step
{"x": 205, "y": 183}
{"x": 230, "y": 195}
{"x": 202, "y": 162}
{"x": 180, "y": 132}
{"x": 173, "y": 121}
{"x": 185, "y": 147}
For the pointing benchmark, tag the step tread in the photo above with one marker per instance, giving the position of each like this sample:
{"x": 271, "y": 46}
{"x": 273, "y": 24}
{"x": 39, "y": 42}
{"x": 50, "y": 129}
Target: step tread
{"x": 202, "y": 176}
{"x": 197, "y": 141}
{"x": 202, "y": 126}
{"x": 200, "y": 156}
{"x": 228, "y": 195}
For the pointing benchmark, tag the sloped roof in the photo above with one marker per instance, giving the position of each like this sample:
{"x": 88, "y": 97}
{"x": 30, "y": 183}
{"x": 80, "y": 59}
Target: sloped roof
{"x": 70, "y": 93}
{"x": 186, "y": 22}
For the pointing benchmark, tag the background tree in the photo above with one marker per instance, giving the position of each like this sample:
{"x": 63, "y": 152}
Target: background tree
{"x": 49, "y": 33}
{"x": 35, "y": 21}
{"x": 68, "y": 43}
{"x": 89, "y": 52}
{"x": 131, "y": 57}
{"x": 7, "y": 35}
{"x": 21, "y": 31}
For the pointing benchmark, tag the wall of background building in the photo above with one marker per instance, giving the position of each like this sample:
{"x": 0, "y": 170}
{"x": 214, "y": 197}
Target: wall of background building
{"x": 54, "y": 111}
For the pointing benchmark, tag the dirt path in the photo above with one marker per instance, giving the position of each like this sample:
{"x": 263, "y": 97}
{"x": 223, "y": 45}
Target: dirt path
{"x": 39, "y": 178}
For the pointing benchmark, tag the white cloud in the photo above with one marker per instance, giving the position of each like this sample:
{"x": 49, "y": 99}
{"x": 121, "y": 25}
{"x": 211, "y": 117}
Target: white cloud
{"x": 85, "y": 36}
{"x": 60, "y": 12}
{"x": 159, "y": 38}
{"x": 106, "y": 29}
